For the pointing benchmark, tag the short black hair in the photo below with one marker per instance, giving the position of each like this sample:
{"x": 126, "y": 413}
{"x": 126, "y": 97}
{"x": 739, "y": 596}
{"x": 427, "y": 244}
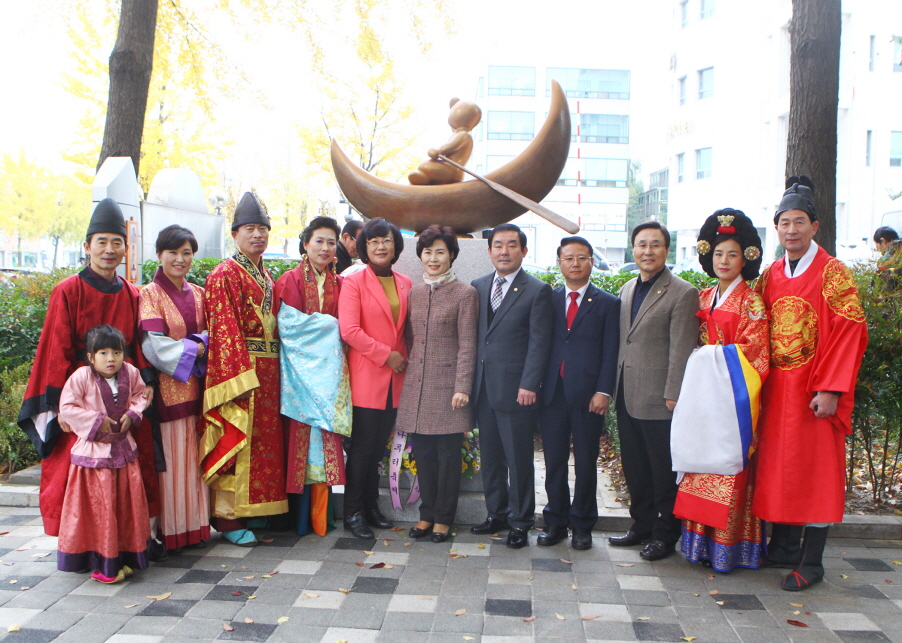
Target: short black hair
{"x": 351, "y": 228}
{"x": 319, "y": 222}
{"x": 435, "y": 233}
{"x": 104, "y": 336}
{"x": 174, "y": 237}
{"x": 886, "y": 233}
{"x": 115, "y": 234}
{"x": 566, "y": 241}
{"x": 508, "y": 227}
{"x": 379, "y": 228}
{"x": 651, "y": 225}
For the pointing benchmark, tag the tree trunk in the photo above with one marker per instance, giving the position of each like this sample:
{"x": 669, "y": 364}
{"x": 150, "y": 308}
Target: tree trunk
{"x": 131, "y": 64}
{"x": 814, "y": 98}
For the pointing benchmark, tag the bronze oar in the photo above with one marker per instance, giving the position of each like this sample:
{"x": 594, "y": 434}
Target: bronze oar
{"x": 529, "y": 204}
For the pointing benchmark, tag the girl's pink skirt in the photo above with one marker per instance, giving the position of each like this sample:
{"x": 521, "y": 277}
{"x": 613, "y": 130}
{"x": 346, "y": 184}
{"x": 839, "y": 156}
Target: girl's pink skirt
{"x": 104, "y": 523}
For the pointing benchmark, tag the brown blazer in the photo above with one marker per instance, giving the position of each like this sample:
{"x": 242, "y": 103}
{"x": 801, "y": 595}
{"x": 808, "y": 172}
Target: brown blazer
{"x": 441, "y": 334}
{"x": 655, "y": 347}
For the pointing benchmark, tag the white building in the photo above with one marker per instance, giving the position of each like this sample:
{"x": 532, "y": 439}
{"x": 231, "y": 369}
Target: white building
{"x": 592, "y": 190}
{"x": 729, "y": 114}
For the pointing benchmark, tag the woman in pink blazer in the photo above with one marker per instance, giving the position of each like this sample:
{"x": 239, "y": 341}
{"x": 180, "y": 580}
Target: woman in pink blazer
{"x": 372, "y": 312}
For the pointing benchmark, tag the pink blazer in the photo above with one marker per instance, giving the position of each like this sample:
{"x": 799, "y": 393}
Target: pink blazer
{"x": 367, "y": 326}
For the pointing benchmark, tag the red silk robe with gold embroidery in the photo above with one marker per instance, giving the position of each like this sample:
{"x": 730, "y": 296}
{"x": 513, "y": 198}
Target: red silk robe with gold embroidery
{"x": 818, "y": 337}
{"x": 241, "y": 448}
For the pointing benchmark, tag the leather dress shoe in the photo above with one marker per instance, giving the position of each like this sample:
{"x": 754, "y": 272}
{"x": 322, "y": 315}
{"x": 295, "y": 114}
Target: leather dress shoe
{"x": 656, "y": 550}
{"x": 440, "y": 536}
{"x": 629, "y": 539}
{"x": 157, "y": 551}
{"x": 582, "y": 539}
{"x": 551, "y": 535}
{"x": 356, "y": 524}
{"x": 375, "y": 518}
{"x": 419, "y": 533}
{"x": 490, "y": 526}
{"x": 517, "y": 538}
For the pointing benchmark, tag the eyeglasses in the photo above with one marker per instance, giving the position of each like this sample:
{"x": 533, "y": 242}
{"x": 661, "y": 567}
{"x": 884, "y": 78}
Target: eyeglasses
{"x": 375, "y": 243}
{"x": 654, "y": 247}
{"x": 572, "y": 260}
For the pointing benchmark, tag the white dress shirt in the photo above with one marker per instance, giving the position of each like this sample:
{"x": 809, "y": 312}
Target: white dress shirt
{"x": 508, "y": 280}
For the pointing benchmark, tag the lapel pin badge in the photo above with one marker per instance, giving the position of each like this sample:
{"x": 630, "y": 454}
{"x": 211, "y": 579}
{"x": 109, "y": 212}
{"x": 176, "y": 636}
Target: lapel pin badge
{"x": 516, "y": 289}
{"x": 590, "y": 299}
{"x": 660, "y": 291}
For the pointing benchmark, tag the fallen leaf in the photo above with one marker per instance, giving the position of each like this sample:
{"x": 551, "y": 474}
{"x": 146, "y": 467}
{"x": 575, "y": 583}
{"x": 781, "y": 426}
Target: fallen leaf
{"x": 376, "y": 566}
{"x": 568, "y": 562}
{"x": 469, "y": 638}
{"x": 13, "y": 582}
{"x": 24, "y": 589}
{"x": 128, "y": 607}
{"x": 388, "y": 540}
{"x": 250, "y": 598}
{"x": 559, "y": 617}
{"x": 843, "y": 576}
{"x": 713, "y": 592}
{"x": 888, "y": 581}
{"x": 313, "y": 540}
{"x": 342, "y": 641}
{"x": 573, "y": 587}
{"x": 368, "y": 552}
{"x": 843, "y": 553}
{"x": 248, "y": 577}
{"x": 164, "y": 596}
{"x": 591, "y": 618}
{"x": 529, "y": 619}
{"x": 12, "y": 628}
{"x": 643, "y": 618}
{"x": 282, "y": 619}
{"x": 242, "y": 567}
{"x": 266, "y": 540}
{"x": 40, "y": 555}
{"x": 496, "y": 538}
{"x": 227, "y": 627}
{"x": 387, "y": 566}
{"x": 460, "y": 612}
{"x": 223, "y": 565}
{"x": 266, "y": 576}
{"x": 311, "y": 595}
{"x": 248, "y": 620}
{"x": 796, "y": 623}
{"x": 346, "y": 591}
{"x": 712, "y": 577}
{"x": 407, "y": 544}
{"x": 696, "y": 594}
{"x": 625, "y": 565}
{"x": 3, "y": 533}
{"x": 385, "y": 542}
{"x": 687, "y": 638}
{"x": 897, "y": 562}
{"x": 796, "y": 612}
{"x": 236, "y": 593}
{"x": 397, "y": 528}
{"x": 797, "y": 605}
{"x": 719, "y": 602}
{"x": 480, "y": 546}
{"x": 425, "y": 598}
{"x": 452, "y": 550}
{"x": 360, "y": 565}
{"x": 273, "y": 572}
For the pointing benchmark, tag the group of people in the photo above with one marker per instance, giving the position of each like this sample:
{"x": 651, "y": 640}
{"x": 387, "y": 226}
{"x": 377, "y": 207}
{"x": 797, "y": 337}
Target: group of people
{"x": 239, "y": 405}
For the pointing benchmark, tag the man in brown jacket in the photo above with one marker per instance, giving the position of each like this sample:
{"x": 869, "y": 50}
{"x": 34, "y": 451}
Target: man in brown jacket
{"x": 658, "y": 331}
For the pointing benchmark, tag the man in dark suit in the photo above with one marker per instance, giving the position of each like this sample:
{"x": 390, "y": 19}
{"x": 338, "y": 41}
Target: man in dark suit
{"x": 658, "y": 331}
{"x": 346, "y": 250}
{"x": 576, "y": 393}
{"x": 512, "y": 351}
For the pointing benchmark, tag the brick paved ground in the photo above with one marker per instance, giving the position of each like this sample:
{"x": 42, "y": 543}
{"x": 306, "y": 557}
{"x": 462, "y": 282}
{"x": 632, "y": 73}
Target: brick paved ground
{"x": 417, "y": 594}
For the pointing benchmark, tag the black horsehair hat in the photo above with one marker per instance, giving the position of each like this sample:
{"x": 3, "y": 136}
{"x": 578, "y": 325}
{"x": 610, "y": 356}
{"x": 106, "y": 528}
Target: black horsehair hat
{"x": 250, "y": 210}
{"x": 799, "y": 195}
{"x": 107, "y": 217}
{"x": 730, "y": 224}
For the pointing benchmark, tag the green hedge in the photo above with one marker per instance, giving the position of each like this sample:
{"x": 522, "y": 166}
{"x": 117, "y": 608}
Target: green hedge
{"x": 203, "y": 267}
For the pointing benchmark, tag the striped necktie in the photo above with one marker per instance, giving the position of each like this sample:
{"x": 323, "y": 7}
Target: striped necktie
{"x": 496, "y": 294}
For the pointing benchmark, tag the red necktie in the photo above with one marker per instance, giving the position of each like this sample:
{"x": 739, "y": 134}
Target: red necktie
{"x": 571, "y": 315}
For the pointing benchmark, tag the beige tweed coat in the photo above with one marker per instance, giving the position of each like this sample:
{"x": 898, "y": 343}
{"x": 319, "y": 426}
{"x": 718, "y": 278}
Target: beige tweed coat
{"x": 441, "y": 337}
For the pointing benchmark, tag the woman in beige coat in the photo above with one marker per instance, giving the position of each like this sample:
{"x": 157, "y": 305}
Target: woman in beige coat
{"x": 435, "y": 400}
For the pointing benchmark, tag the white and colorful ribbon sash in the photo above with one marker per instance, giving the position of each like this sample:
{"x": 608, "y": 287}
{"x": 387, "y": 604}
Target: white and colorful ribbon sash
{"x": 398, "y": 445}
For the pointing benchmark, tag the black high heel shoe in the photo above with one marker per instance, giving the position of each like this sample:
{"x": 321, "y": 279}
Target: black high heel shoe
{"x": 440, "y": 536}
{"x": 419, "y": 533}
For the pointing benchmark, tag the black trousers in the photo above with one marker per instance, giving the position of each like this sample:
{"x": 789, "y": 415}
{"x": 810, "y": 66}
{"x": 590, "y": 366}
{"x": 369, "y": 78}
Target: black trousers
{"x": 508, "y": 474}
{"x": 438, "y": 471}
{"x": 372, "y": 428}
{"x": 647, "y": 467}
{"x": 559, "y": 422}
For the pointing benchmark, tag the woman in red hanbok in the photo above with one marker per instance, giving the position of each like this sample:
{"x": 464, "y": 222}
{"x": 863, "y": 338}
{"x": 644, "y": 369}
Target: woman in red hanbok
{"x": 719, "y": 529}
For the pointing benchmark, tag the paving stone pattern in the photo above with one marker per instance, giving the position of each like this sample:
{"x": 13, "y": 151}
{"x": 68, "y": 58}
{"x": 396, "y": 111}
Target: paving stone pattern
{"x": 471, "y": 588}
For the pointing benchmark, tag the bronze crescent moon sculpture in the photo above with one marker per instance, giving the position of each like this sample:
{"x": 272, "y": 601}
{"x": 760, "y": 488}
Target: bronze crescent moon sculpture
{"x": 470, "y": 205}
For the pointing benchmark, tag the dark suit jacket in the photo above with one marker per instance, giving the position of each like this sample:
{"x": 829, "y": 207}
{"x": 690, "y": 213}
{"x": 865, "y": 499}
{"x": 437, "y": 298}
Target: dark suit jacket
{"x": 512, "y": 352}
{"x": 588, "y": 349}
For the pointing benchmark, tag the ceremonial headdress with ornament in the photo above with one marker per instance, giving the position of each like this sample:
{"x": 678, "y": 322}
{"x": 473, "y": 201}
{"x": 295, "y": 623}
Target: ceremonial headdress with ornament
{"x": 730, "y": 224}
{"x": 799, "y": 195}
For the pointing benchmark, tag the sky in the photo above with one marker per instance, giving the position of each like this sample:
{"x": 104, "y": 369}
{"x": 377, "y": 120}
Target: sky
{"x": 591, "y": 33}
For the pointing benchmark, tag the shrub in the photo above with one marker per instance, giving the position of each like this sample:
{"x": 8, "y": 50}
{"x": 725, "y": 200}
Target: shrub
{"x": 16, "y": 450}
{"x": 203, "y": 267}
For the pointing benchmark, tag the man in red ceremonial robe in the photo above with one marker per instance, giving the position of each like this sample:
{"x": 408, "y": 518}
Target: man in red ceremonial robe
{"x": 94, "y": 296}
{"x": 818, "y": 337}
{"x": 241, "y": 449}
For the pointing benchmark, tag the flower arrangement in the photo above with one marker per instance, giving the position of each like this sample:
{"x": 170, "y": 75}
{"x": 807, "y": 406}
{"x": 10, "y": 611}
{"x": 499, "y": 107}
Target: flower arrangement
{"x": 470, "y": 460}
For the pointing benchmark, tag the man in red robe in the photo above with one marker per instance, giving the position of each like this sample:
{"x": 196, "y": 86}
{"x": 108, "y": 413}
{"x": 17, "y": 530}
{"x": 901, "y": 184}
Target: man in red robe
{"x": 94, "y": 296}
{"x": 818, "y": 337}
{"x": 241, "y": 449}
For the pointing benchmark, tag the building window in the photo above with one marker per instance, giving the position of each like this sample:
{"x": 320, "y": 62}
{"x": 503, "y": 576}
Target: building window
{"x": 605, "y": 173}
{"x": 871, "y": 53}
{"x": 681, "y": 85}
{"x": 897, "y": 53}
{"x": 570, "y": 175}
{"x": 705, "y": 83}
{"x": 703, "y": 163}
{"x": 867, "y": 149}
{"x": 512, "y": 81}
{"x": 895, "y": 150}
{"x": 707, "y": 9}
{"x": 511, "y": 126}
{"x": 604, "y": 128}
{"x": 681, "y": 166}
{"x": 590, "y": 83}
{"x": 684, "y": 14}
